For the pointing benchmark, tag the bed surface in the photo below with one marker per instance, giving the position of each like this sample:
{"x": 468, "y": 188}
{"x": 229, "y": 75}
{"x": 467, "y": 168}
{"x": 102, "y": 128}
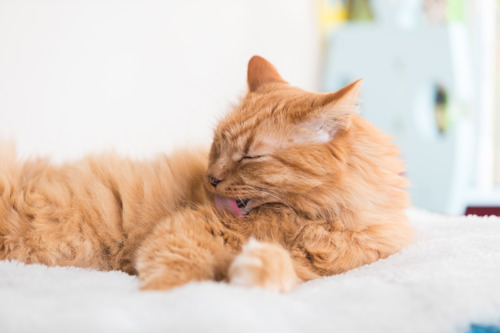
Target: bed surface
{"x": 448, "y": 279}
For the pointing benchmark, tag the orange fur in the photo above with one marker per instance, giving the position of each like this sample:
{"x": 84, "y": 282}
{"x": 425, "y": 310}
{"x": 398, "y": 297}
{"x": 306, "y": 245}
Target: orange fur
{"x": 324, "y": 187}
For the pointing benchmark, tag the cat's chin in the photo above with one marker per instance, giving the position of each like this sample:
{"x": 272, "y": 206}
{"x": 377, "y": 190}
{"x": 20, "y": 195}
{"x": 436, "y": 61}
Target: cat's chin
{"x": 239, "y": 207}
{"x": 251, "y": 204}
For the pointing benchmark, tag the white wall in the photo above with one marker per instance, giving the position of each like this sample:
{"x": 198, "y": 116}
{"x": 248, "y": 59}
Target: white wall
{"x": 78, "y": 76}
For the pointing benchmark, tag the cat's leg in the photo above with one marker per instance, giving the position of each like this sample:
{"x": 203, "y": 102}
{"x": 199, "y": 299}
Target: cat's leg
{"x": 320, "y": 251}
{"x": 184, "y": 247}
{"x": 262, "y": 264}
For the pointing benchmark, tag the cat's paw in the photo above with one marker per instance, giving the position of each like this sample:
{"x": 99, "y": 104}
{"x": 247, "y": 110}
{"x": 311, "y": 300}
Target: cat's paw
{"x": 265, "y": 265}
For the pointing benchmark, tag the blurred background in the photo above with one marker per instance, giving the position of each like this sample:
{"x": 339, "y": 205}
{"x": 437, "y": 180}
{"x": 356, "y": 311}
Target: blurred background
{"x": 144, "y": 77}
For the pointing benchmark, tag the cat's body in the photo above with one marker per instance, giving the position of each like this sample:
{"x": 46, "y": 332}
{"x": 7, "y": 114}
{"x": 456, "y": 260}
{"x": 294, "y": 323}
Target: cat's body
{"x": 92, "y": 213}
{"x": 320, "y": 191}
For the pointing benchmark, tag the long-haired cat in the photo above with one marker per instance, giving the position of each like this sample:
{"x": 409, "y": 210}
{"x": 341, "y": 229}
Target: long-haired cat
{"x": 296, "y": 186}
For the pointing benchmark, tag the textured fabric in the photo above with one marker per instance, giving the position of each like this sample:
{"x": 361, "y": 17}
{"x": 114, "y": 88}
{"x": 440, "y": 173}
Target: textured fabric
{"x": 448, "y": 279}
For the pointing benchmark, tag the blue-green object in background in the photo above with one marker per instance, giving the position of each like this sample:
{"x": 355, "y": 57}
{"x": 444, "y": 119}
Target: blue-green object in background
{"x": 483, "y": 329}
{"x": 359, "y": 10}
{"x": 455, "y": 10}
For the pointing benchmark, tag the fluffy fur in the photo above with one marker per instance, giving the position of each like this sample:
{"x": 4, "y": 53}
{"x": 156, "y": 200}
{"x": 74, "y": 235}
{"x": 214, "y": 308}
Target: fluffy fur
{"x": 320, "y": 188}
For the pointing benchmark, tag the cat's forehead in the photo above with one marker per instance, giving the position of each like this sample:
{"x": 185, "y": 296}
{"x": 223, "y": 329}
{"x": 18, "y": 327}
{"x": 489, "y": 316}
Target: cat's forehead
{"x": 261, "y": 136}
{"x": 268, "y": 110}
{"x": 265, "y": 119}
{"x": 242, "y": 134}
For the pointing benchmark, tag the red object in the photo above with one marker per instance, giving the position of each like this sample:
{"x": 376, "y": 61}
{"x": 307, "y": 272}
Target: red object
{"x": 482, "y": 211}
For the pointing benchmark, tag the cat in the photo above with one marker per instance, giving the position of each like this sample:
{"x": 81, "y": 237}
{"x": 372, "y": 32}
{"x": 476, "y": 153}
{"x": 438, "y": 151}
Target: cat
{"x": 295, "y": 186}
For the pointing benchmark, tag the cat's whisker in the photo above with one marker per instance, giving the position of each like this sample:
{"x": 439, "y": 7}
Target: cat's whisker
{"x": 241, "y": 203}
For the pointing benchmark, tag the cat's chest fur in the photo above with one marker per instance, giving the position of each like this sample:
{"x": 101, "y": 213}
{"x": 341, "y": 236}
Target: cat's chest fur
{"x": 273, "y": 222}
{"x": 266, "y": 223}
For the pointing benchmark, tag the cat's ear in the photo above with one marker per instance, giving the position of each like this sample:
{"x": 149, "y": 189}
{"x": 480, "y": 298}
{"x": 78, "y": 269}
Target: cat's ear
{"x": 332, "y": 112}
{"x": 261, "y": 71}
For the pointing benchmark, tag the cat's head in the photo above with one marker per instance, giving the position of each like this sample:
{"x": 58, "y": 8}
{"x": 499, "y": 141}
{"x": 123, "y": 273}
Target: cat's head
{"x": 281, "y": 144}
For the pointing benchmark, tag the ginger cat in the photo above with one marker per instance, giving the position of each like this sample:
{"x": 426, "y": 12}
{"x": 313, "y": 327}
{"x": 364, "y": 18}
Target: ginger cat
{"x": 296, "y": 186}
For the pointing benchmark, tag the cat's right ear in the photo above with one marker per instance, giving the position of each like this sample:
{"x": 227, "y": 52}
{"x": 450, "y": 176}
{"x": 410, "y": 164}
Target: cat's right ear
{"x": 261, "y": 71}
{"x": 340, "y": 105}
{"x": 332, "y": 112}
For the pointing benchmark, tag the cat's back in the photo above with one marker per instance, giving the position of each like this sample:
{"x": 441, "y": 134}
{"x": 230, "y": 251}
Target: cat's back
{"x": 91, "y": 212}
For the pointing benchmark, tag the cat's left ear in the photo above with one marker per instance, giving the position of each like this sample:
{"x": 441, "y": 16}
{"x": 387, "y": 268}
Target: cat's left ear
{"x": 332, "y": 112}
{"x": 260, "y": 71}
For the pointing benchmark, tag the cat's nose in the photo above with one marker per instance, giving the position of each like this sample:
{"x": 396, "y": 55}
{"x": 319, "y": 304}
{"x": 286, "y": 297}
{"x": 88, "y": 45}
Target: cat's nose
{"x": 214, "y": 181}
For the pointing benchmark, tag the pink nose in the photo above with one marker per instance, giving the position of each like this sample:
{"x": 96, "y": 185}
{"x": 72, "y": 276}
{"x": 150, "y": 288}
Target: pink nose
{"x": 214, "y": 181}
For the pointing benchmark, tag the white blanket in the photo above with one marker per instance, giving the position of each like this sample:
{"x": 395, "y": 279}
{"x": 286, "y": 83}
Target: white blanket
{"x": 446, "y": 280}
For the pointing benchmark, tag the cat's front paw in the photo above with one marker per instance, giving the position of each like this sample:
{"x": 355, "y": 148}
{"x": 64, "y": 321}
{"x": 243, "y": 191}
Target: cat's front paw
{"x": 265, "y": 265}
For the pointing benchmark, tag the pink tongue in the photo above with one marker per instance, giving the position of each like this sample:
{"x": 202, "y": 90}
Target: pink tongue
{"x": 227, "y": 204}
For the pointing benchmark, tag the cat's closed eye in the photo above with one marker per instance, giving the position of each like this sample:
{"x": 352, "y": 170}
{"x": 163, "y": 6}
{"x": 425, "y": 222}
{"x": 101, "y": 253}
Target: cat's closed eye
{"x": 249, "y": 158}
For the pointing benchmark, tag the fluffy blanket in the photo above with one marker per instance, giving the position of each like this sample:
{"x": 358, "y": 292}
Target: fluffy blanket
{"x": 447, "y": 280}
